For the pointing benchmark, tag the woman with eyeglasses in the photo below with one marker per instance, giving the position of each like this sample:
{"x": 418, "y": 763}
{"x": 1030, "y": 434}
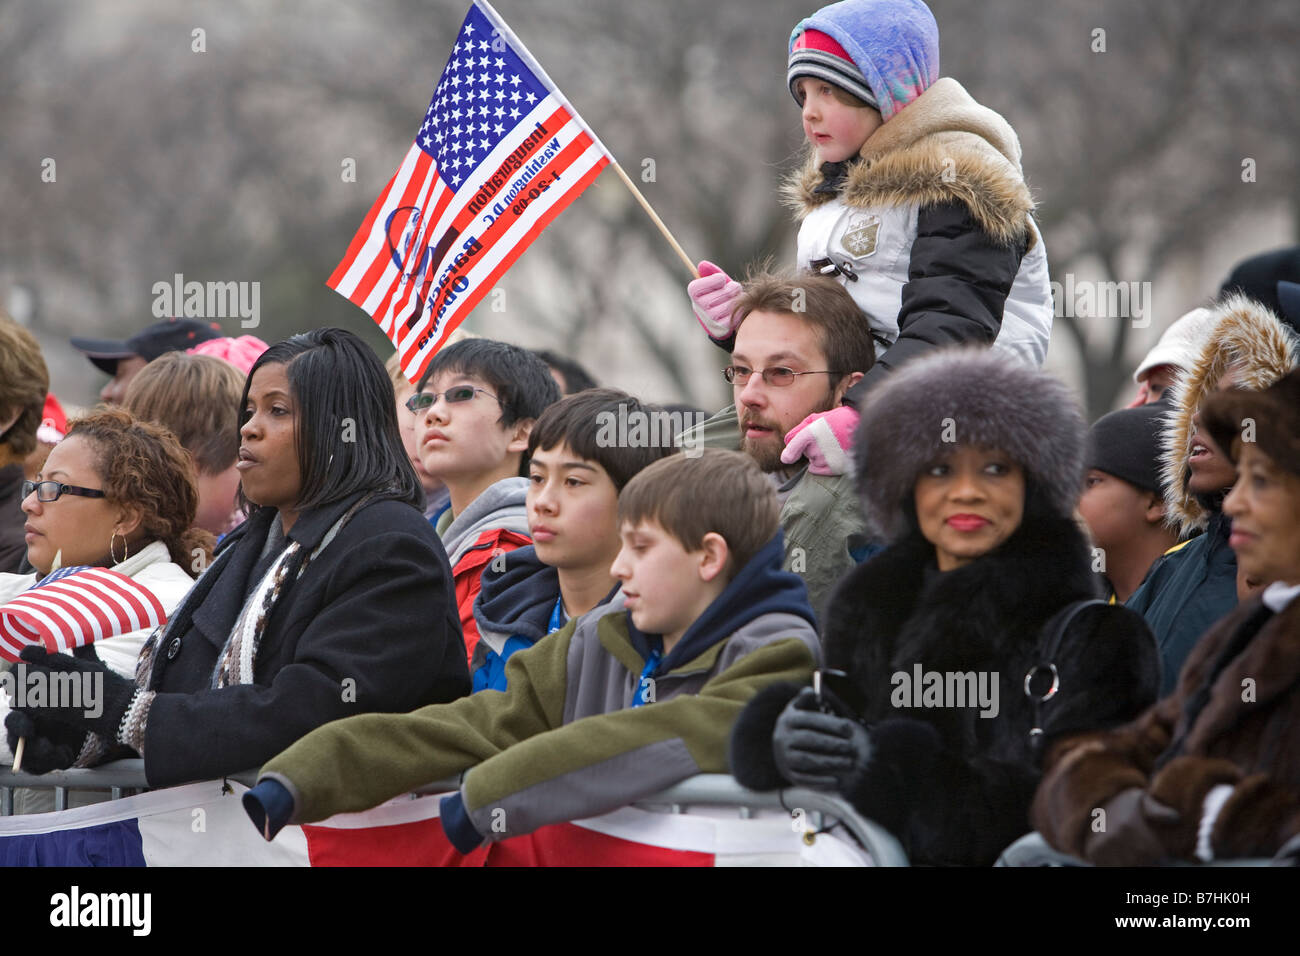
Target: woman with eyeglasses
{"x": 334, "y": 598}
{"x": 116, "y": 493}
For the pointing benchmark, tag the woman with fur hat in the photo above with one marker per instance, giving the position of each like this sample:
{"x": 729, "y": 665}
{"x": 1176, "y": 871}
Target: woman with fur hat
{"x": 1212, "y": 771}
{"x": 974, "y": 488}
{"x": 912, "y": 194}
{"x": 1196, "y": 583}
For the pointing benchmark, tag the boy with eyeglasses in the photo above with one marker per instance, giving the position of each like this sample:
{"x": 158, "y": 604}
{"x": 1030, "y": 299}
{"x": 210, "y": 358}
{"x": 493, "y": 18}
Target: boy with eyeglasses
{"x": 476, "y": 404}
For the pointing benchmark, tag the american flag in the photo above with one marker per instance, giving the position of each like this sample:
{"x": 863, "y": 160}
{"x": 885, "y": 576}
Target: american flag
{"x": 499, "y": 155}
{"x": 72, "y": 607}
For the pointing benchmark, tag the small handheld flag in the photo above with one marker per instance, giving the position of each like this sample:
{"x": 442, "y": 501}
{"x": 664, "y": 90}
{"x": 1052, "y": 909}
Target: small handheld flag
{"x": 499, "y": 155}
{"x": 72, "y": 607}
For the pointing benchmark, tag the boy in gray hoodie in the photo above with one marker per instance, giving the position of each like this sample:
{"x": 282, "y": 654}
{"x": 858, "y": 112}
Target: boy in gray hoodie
{"x": 617, "y": 705}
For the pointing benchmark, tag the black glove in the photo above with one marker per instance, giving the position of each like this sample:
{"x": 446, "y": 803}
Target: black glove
{"x": 101, "y": 701}
{"x": 817, "y": 750}
{"x": 1131, "y": 836}
{"x": 50, "y": 745}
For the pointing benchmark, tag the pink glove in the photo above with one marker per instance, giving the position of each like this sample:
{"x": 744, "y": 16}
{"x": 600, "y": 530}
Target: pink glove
{"x": 825, "y": 439}
{"x": 714, "y": 295}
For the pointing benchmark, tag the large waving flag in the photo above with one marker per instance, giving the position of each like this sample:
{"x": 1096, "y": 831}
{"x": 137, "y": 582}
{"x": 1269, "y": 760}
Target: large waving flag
{"x": 500, "y": 154}
{"x": 204, "y": 824}
{"x": 72, "y": 607}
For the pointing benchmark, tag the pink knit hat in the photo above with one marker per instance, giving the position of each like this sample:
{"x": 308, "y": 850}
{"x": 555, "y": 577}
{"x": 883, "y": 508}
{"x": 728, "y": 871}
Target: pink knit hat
{"x": 241, "y": 352}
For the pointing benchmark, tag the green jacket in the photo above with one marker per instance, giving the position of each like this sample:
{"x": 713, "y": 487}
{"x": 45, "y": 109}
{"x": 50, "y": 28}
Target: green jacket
{"x": 561, "y": 743}
{"x": 821, "y": 516}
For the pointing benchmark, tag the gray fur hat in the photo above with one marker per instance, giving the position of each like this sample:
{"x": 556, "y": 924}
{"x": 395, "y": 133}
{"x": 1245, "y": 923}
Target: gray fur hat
{"x": 955, "y": 397}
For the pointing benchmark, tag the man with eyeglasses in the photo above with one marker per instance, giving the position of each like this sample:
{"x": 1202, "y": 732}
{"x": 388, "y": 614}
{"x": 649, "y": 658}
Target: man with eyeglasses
{"x": 800, "y": 344}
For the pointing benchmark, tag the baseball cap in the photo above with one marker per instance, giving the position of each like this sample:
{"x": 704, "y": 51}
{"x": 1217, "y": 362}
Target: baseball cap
{"x": 169, "y": 335}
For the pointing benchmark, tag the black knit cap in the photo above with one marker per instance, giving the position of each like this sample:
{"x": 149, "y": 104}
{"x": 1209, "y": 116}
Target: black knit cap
{"x": 1259, "y": 275}
{"x": 1126, "y": 444}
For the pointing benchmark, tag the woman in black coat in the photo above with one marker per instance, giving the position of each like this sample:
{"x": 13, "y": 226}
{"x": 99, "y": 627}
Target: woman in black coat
{"x": 334, "y": 598}
{"x": 969, "y": 465}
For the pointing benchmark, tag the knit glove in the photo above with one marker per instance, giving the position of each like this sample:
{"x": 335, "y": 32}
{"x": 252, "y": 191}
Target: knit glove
{"x": 713, "y": 296}
{"x": 825, "y": 439}
{"x": 50, "y": 745}
{"x": 821, "y": 751}
{"x": 1131, "y": 836}
{"x": 105, "y": 692}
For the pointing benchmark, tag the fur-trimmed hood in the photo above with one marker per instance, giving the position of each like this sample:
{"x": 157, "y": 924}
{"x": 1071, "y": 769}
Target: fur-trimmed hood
{"x": 966, "y": 396}
{"x": 943, "y": 146}
{"x": 1245, "y": 332}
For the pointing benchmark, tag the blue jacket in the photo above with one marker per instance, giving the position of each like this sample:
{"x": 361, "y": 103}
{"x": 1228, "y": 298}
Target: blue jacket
{"x": 760, "y": 587}
{"x": 1186, "y": 591}
{"x": 514, "y": 610}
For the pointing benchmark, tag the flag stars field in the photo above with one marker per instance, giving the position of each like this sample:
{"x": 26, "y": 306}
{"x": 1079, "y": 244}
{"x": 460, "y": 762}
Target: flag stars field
{"x": 471, "y": 194}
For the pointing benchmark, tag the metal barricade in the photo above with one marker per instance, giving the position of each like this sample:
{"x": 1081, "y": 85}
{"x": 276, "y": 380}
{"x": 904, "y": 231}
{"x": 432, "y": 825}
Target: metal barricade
{"x": 1032, "y": 850}
{"x": 121, "y": 778}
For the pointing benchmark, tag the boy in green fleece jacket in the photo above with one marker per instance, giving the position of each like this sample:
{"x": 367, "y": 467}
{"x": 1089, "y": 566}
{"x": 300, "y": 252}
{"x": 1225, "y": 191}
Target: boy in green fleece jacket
{"x": 619, "y": 704}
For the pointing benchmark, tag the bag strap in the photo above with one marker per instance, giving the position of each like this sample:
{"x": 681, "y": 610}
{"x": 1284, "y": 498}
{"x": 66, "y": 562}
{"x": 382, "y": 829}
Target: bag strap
{"x": 1045, "y": 672}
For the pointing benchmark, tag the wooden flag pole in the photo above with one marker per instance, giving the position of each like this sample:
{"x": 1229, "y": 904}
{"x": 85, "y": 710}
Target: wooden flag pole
{"x": 654, "y": 216}
{"x": 22, "y": 741}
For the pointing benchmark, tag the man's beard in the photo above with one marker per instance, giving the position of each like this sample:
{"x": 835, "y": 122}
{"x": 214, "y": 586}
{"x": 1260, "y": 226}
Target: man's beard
{"x": 766, "y": 451}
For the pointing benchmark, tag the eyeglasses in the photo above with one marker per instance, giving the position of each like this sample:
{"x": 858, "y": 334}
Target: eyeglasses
{"x": 48, "y": 491}
{"x": 779, "y": 376}
{"x": 461, "y": 393}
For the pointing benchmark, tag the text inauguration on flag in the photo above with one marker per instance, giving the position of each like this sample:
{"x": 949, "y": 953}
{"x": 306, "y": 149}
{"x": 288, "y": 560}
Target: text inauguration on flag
{"x": 499, "y": 155}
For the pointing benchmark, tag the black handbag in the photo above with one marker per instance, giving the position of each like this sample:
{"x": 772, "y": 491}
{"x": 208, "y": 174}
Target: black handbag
{"x": 1043, "y": 680}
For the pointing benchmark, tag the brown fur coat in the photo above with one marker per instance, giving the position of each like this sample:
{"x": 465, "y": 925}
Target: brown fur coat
{"x": 1247, "y": 735}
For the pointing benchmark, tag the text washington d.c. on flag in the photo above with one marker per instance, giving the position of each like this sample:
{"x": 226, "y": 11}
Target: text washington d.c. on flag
{"x": 500, "y": 154}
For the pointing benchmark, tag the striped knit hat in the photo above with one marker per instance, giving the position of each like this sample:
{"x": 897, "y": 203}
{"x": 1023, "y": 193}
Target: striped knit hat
{"x": 885, "y": 52}
{"x": 816, "y": 54}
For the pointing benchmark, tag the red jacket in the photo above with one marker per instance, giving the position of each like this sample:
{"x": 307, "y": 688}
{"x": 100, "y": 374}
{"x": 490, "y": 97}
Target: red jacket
{"x": 468, "y": 574}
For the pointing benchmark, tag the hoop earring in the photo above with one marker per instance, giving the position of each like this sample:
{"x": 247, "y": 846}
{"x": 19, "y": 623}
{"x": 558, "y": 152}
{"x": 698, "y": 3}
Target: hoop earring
{"x": 126, "y": 551}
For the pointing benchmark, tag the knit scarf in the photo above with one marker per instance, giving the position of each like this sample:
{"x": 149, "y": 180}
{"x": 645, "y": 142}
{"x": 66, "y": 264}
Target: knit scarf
{"x": 236, "y": 661}
{"x": 833, "y": 176}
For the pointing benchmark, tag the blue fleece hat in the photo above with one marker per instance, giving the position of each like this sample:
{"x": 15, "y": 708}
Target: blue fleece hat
{"x": 894, "y": 44}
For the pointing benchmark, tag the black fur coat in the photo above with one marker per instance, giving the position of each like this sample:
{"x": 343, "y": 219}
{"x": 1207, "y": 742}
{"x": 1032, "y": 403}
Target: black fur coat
{"x": 953, "y": 786}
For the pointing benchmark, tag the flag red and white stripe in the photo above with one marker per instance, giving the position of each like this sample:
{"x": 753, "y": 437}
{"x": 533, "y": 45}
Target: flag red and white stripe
{"x": 500, "y": 154}
{"x": 157, "y": 829}
{"x": 75, "y": 610}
